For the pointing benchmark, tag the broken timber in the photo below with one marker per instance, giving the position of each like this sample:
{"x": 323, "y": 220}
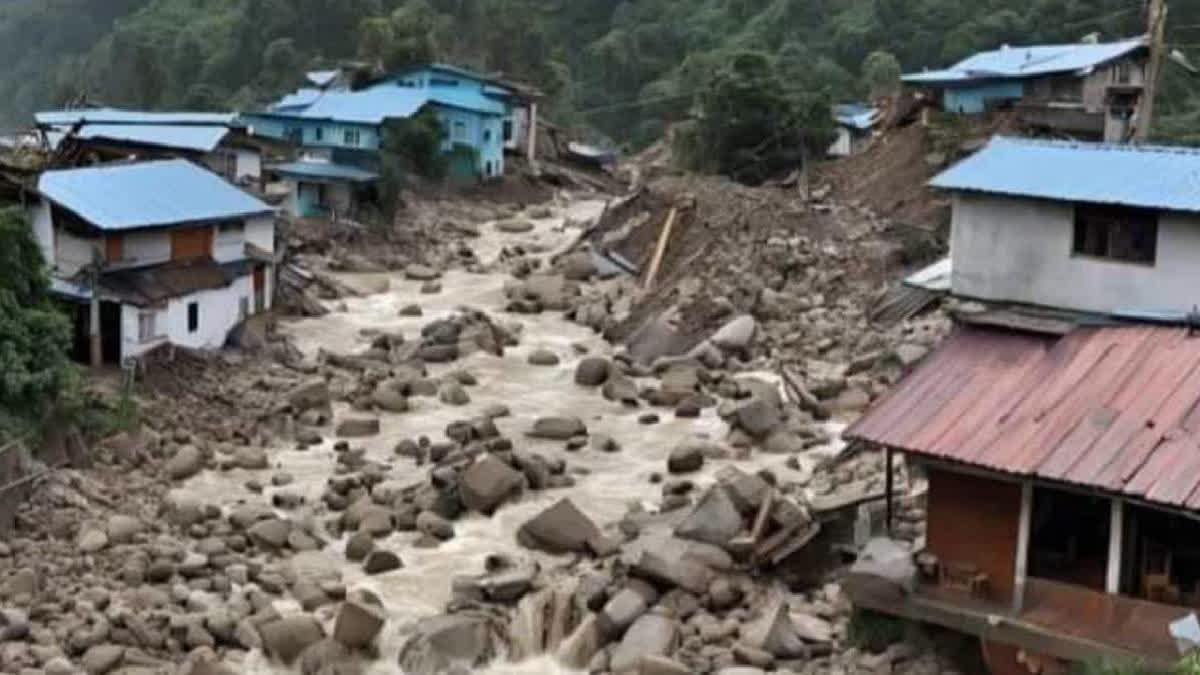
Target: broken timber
{"x": 663, "y": 238}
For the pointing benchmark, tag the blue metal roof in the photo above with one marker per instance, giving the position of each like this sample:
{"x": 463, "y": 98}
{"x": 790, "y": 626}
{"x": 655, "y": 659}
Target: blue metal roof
{"x": 325, "y": 170}
{"x": 185, "y": 137}
{"x": 467, "y": 98}
{"x": 298, "y": 99}
{"x": 117, "y": 116}
{"x": 147, "y": 194}
{"x": 857, "y": 115}
{"x": 368, "y": 106}
{"x": 1021, "y": 62}
{"x": 1159, "y": 177}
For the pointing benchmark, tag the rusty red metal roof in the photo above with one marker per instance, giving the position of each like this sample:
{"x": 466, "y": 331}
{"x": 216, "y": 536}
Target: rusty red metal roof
{"x": 1112, "y": 408}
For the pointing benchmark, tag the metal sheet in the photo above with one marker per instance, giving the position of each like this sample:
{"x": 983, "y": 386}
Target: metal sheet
{"x": 147, "y": 194}
{"x": 1158, "y": 177}
{"x": 1020, "y": 62}
{"x": 1109, "y": 407}
{"x": 325, "y": 171}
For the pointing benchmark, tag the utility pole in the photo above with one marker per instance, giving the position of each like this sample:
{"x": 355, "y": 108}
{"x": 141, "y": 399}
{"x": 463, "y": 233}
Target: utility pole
{"x": 94, "y": 342}
{"x": 1156, "y": 22}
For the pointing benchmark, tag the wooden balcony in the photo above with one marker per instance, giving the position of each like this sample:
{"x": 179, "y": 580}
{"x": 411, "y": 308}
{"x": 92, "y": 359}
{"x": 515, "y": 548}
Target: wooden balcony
{"x": 1070, "y": 622}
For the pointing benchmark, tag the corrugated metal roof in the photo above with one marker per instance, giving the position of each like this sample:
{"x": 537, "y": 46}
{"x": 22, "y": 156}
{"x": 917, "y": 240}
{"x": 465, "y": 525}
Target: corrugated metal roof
{"x": 298, "y": 99}
{"x": 144, "y": 286}
{"x": 467, "y": 98}
{"x": 147, "y": 194}
{"x": 383, "y": 101}
{"x": 1032, "y": 61}
{"x": 326, "y": 170}
{"x": 1148, "y": 176}
{"x": 856, "y": 115}
{"x": 185, "y": 137}
{"x": 118, "y": 116}
{"x": 1111, "y": 408}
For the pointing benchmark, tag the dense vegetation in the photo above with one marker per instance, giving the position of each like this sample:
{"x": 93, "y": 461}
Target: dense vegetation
{"x": 623, "y": 68}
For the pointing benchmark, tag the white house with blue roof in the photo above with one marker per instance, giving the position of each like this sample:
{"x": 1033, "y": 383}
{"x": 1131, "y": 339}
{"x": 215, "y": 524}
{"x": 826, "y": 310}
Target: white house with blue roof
{"x": 1090, "y": 227}
{"x": 1089, "y": 89}
{"x": 154, "y": 252}
{"x": 340, "y": 130}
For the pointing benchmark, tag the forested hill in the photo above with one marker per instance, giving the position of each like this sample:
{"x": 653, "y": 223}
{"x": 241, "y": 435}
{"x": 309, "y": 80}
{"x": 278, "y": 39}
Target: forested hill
{"x": 625, "y": 68}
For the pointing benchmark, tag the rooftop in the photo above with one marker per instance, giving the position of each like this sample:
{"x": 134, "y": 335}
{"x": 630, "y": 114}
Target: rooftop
{"x": 147, "y": 194}
{"x": 1116, "y": 409}
{"x": 1020, "y": 62}
{"x": 325, "y": 170}
{"x": 118, "y": 116}
{"x": 1160, "y": 177}
{"x": 857, "y": 115}
{"x": 179, "y": 137}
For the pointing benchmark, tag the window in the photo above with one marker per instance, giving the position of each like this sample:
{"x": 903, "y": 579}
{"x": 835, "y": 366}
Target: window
{"x": 350, "y": 137}
{"x": 508, "y": 130}
{"x": 231, "y": 226}
{"x": 1124, "y": 72}
{"x": 487, "y": 169}
{"x": 459, "y": 132}
{"x": 1116, "y": 233}
{"x": 487, "y": 135}
{"x": 193, "y": 317}
{"x": 319, "y": 134}
{"x": 294, "y": 134}
{"x": 147, "y": 326}
{"x": 243, "y": 307}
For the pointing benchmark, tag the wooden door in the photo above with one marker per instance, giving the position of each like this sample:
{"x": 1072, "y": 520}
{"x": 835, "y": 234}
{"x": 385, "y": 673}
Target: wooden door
{"x": 113, "y": 248}
{"x": 192, "y": 242}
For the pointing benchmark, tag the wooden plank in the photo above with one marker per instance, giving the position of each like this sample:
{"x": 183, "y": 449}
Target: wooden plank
{"x": 663, "y": 238}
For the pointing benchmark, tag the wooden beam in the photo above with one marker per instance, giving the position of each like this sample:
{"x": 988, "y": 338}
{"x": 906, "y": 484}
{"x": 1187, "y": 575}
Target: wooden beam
{"x": 1023, "y": 527}
{"x": 1116, "y": 537}
{"x": 661, "y": 248}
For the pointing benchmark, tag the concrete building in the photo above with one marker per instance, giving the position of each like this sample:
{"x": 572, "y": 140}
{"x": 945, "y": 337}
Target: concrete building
{"x": 1088, "y": 90}
{"x": 1056, "y": 427}
{"x": 216, "y": 140}
{"x": 154, "y": 252}
{"x": 1107, "y": 229}
{"x": 340, "y": 131}
{"x": 855, "y": 124}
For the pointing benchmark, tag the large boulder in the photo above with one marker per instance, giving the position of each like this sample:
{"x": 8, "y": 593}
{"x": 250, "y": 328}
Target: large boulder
{"x": 185, "y": 463}
{"x": 736, "y": 334}
{"x": 686, "y": 457}
{"x": 774, "y": 632}
{"x": 557, "y": 428}
{"x": 358, "y": 623}
{"x": 651, "y": 635}
{"x": 715, "y": 520}
{"x": 311, "y": 394}
{"x": 330, "y": 657}
{"x": 592, "y": 372}
{"x": 271, "y": 534}
{"x": 251, "y": 458}
{"x": 122, "y": 529}
{"x": 388, "y": 398}
{"x": 452, "y": 643}
{"x": 488, "y": 483}
{"x": 357, "y": 427}
{"x": 417, "y": 272}
{"x": 562, "y": 528}
{"x": 674, "y": 570}
{"x": 286, "y": 637}
{"x": 380, "y": 561}
{"x": 759, "y": 417}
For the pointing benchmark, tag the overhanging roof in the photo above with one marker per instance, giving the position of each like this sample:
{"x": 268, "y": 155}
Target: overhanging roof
{"x": 326, "y": 171}
{"x": 177, "y": 137}
{"x": 1031, "y": 61}
{"x": 1147, "y": 176}
{"x": 147, "y": 194}
{"x": 117, "y": 116}
{"x": 1116, "y": 409}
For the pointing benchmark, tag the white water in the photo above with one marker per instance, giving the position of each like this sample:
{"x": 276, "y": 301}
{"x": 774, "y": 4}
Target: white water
{"x": 612, "y": 482}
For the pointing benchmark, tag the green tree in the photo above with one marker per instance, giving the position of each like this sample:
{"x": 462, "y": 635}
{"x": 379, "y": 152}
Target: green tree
{"x": 881, "y": 74}
{"x": 34, "y": 335}
{"x": 411, "y": 147}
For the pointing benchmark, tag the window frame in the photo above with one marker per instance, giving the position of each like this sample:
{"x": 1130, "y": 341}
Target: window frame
{"x": 1097, "y": 228}
{"x": 148, "y": 326}
{"x": 193, "y": 316}
{"x": 351, "y": 137}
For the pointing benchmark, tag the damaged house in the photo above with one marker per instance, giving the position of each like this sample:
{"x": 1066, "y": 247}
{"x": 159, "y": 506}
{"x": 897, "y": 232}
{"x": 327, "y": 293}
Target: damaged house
{"x": 1059, "y": 426}
{"x": 340, "y": 130}
{"x": 1086, "y": 90}
{"x": 93, "y": 135}
{"x": 152, "y": 253}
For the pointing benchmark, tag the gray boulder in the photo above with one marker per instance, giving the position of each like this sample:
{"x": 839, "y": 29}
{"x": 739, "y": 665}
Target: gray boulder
{"x": 285, "y": 638}
{"x": 686, "y": 458}
{"x": 715, "y": 520}
{"x": 186, "y": 462}
{"x": 452, "y": 643}
{"x": 357, "y": 427}
{"x": 358, "y": 623}
{"x": 562, "y": 528}
{"x": 557, "y": 428}
{"x": 488, "y": 483}
{"x": 651, "y": 635}
{"x": 592, "y": 372}
{"x": 311, "y": 394}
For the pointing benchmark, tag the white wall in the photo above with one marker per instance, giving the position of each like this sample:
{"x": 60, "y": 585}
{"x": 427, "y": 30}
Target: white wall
{"x": 72, "y": 253}
{"x": 131, "y": 345}
{"x": 291, "y": 203}
{"x": 1012, "y": 249}
{"x": 841, "y": 145}
{"x": 147, "y": 247}
{"x": 260, "y": 231}
{"x": 249, "y": 163}
{"x": 43, "y": 229}
{"x": 218, "y": 314}
{"x": 229, "y": 245}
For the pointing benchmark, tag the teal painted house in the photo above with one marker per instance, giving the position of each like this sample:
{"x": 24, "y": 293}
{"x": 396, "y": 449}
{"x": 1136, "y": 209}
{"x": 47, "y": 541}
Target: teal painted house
{"x": 340, "y": 131}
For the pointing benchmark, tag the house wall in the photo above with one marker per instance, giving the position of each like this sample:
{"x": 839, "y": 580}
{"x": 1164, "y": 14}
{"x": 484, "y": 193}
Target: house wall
{"x": 43, "y": 229}
{"x": 146, "y": 247}
{"x": 972, "y": 100}
{"x": 974, "y": 521}
{"x": 229, "y": 245}
{"x": 249, "y": 163}
{"x": 131, "y": 344}
{"x": 1013, "y": 249}
{"x": 484, "y": 133}
{"x": 332, "y": 133}
{"x": 71, "y": 252}
{"x": 840, "y": 146}
{"x": 260, "y": 231}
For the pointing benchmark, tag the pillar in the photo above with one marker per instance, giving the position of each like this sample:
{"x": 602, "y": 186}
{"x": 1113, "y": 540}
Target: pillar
{"x": 1023, "y": 527}
{"x": 888, "y": 487}
{"x": 1116, "y": 537}
{"x": 97, "y": 351}
{"x": 532, "y": 131}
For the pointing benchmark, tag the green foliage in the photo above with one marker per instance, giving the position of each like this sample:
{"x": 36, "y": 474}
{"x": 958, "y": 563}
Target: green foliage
{"x": 873, "y": 631}
{"x": 881, "y": 73}
{"x": 749, "y": 126}
{"x": 34, "y": 335}
{"x": 411, "y": 147}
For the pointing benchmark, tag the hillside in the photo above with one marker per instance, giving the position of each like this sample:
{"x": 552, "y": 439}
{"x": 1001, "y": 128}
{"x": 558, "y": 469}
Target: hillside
{"x": 625, "y": 69}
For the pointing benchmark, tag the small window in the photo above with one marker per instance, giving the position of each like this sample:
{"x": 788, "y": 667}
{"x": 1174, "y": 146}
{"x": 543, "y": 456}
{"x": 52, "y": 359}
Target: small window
{"x": 487, "y": 135}
{"x": 147, "y": 326}
{"x": 460, "y": 131}
{"x": 508, "y": 130}
{"x": 487, "y": 169}
{"x": 243, "y": 307}
{"x": 231, "y": 226}
{"x": 319, "y": 134}
{"x": 193, "y": 317}
{"x": 351, "y": 137}
{"x": 1116, "y": 233}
